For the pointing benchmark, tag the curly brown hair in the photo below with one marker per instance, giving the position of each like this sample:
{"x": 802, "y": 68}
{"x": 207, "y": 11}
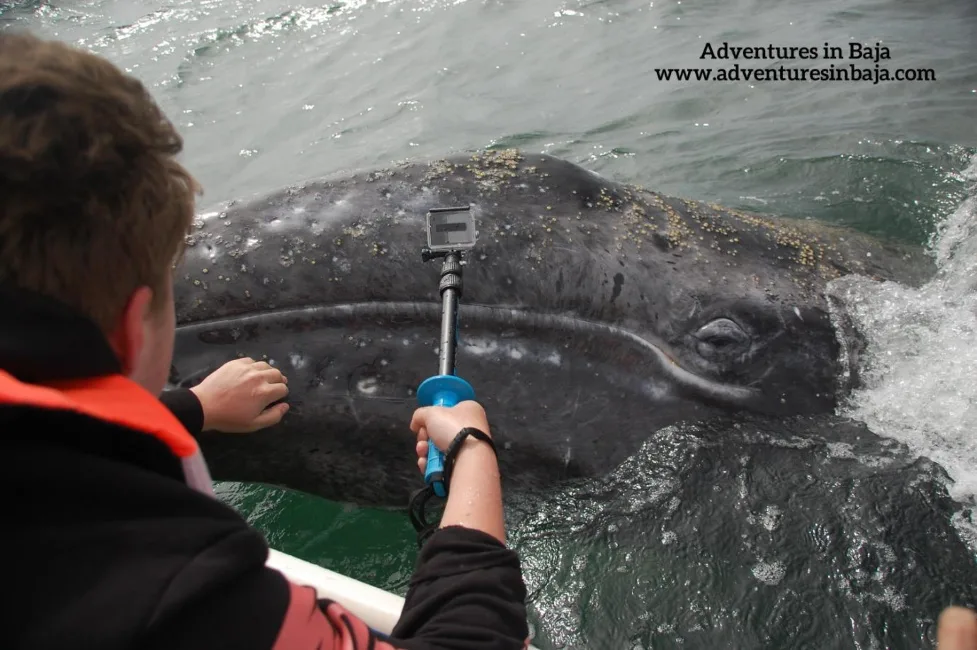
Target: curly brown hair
{"x": 93, "y": 204}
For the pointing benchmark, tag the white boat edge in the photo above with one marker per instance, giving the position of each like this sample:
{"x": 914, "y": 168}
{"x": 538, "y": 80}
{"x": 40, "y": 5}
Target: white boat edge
{"x": 377, "y": 608}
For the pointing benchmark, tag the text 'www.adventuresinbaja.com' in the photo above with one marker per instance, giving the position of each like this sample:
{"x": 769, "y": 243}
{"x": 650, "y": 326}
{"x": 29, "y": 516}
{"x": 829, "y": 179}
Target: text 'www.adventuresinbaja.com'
{"x": 863, "y": 65}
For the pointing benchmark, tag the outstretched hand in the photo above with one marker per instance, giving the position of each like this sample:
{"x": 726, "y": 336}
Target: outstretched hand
{"x": 235, "y": 398}
{"x": 957, "y": 629}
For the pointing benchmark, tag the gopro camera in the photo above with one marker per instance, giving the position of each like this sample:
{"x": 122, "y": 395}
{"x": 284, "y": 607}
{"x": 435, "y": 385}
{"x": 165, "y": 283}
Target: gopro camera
{"x": 450, "y": 229}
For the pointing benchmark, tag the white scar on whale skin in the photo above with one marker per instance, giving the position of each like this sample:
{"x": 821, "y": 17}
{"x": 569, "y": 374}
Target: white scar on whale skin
{"x": 798, "y": 312}
{"x": 368, "y": 386}
{"x": 486, "y": 347}
{"x": 337, "y": 212}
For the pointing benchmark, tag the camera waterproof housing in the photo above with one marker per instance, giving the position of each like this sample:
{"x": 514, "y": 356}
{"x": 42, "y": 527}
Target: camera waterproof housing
{"x": 450, "y": 229}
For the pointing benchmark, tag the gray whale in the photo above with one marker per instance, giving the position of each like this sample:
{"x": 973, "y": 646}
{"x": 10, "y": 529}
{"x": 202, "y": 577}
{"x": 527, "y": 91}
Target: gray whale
{"x": 594, "y": 313}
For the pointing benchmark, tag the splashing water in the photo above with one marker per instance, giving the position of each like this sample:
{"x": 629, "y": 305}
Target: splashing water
{"x": 920, "y": 354}
{"x": 782, "y": 533}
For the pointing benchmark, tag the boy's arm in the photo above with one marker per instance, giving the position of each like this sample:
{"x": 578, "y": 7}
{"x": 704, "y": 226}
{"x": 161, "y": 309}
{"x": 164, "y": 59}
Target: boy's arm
{"x": 241, "y": 396}
{"x": 183, "y": 403}
{"x": 467, "y": 592}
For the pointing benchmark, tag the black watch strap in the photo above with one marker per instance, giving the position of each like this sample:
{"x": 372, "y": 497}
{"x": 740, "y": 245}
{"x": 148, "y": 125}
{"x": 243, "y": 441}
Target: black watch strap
{"x": 452, "y": 451}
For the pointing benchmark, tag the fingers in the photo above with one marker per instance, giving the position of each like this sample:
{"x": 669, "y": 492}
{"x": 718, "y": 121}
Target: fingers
{"x": 419, "y": 418}
{"x": 268, "y": 371}
{"x": 957, "y": 629}
{"x": 273, "y": 392}
{"x": 273, "y": 376}
{"x": 263, "y": 367}
{"x": 270, "y": 416}
{"x": 421, "y": 448}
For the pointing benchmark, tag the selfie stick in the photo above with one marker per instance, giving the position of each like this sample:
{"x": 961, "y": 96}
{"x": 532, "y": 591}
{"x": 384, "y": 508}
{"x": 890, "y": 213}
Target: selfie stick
{"x": 449, "y": 231}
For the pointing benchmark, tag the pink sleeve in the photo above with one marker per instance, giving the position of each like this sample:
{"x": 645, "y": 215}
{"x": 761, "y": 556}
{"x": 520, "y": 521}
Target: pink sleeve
{"x": 307, "y": 626}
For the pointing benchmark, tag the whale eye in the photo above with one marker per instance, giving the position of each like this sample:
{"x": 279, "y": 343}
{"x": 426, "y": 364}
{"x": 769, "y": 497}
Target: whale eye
{"x": 721, "y": 335}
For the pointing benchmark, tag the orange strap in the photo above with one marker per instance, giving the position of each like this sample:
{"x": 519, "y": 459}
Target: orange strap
{"x": 113, "y": 398}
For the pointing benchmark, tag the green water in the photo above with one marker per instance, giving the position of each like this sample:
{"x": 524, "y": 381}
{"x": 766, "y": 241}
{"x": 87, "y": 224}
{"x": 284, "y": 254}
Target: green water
{"x": 271, "y": 92}
{"x": 377, "y": 547}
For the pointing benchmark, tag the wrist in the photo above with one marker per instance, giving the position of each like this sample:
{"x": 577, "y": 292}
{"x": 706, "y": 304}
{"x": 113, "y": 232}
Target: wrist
{"x": 470, "y": 445}
{"x": 474, "y": 449}
{"x": 474, "y": 452}
{"x": 474, "y": 485}
{"x": 202, "y": 398}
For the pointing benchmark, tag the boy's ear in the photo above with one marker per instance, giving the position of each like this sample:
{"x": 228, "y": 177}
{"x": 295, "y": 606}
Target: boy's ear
{"x": 129, "y": 336}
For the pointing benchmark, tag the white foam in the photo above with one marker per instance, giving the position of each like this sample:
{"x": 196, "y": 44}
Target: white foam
{"x": 890, "y": 597}
{"x": 840, "y": 450}
{"x": 965, "y": 521}
{"x": 770, "y": 519}
{"x": 770, "y": 573}
{"x": 921, "y": 354}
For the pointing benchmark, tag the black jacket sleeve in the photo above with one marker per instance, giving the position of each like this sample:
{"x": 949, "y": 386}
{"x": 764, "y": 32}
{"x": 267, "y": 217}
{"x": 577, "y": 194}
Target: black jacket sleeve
{"x": 466, "y": 592}
{"x": 186, "y": 407}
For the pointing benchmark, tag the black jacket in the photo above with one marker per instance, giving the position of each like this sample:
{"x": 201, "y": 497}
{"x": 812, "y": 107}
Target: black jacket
{"x": 108, "y": 544}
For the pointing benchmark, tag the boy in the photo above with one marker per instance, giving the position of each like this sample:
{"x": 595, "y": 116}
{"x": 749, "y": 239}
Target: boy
{"x": 113, "y": 538}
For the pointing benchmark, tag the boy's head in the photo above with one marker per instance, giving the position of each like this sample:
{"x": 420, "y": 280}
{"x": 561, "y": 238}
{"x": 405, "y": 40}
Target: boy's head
{"x": 94, "y": 209}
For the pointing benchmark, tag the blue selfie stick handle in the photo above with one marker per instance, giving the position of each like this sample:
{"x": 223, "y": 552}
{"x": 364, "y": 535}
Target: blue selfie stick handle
{"x": 441, "y": 390}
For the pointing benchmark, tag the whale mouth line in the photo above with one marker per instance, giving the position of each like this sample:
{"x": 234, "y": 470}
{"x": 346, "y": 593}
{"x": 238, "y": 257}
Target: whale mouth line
{"x": 666, "y": 366}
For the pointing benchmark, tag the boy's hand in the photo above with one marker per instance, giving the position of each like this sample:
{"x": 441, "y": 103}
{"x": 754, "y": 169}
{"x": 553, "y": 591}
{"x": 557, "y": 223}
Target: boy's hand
{"x": 957, "y": 629}
{"x": 235, "y": 397}
{"x": 442, "y": 423}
